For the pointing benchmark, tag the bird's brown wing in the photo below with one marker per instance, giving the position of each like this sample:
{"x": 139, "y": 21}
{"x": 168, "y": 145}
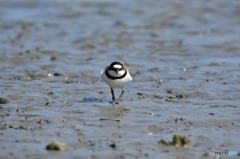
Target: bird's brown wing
{"x": 126, "y": 66}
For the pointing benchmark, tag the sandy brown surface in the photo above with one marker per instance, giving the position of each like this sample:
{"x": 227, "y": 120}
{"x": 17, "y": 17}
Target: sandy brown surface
{"x": 185, "y": 61}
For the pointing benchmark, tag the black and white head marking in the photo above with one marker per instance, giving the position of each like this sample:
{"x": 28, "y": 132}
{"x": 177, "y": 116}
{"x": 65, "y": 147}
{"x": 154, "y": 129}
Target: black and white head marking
{"x": 116, "y": 71}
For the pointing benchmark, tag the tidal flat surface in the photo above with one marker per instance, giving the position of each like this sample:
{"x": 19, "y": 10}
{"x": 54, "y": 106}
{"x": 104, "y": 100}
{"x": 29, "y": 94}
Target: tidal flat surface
{"x": 185, "y": 62}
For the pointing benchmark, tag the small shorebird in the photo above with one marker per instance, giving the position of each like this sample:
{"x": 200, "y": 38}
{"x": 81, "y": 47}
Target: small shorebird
{"x": 116, "y": 75}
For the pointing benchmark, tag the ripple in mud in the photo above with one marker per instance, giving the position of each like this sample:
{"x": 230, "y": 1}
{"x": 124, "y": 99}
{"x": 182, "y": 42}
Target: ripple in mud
{"x": 92, "y": 100}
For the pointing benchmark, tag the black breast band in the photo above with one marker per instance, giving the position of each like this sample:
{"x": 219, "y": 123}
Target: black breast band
{"x": 114, "y": 78}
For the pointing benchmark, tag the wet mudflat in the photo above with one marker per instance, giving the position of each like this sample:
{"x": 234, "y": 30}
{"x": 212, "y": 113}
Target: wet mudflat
{"x": 185, "y": 62}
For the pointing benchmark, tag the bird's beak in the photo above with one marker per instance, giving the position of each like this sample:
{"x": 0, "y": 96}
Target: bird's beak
{"x": 117, "y": 71}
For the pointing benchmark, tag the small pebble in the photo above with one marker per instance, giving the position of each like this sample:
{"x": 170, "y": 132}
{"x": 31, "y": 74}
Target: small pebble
{"x": 113, "y": 145}
{"x": 3, "y": 100}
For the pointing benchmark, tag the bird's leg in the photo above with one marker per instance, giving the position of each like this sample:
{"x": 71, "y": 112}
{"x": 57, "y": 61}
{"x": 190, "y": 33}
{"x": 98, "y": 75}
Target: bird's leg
{"x": 113, "y": 97}
{"x": 121, "y": 95}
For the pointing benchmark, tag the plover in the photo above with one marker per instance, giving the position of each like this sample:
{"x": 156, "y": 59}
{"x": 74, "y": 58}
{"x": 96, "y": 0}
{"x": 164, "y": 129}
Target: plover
{"x": 116, "y": 75}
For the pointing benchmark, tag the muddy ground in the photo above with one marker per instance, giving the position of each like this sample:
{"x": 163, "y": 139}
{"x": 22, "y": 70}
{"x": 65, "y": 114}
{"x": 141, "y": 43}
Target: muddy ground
{"x": 185, "y": 61}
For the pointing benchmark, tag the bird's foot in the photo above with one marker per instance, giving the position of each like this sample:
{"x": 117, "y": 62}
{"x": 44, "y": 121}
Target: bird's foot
{"x": 113, "y": 102}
